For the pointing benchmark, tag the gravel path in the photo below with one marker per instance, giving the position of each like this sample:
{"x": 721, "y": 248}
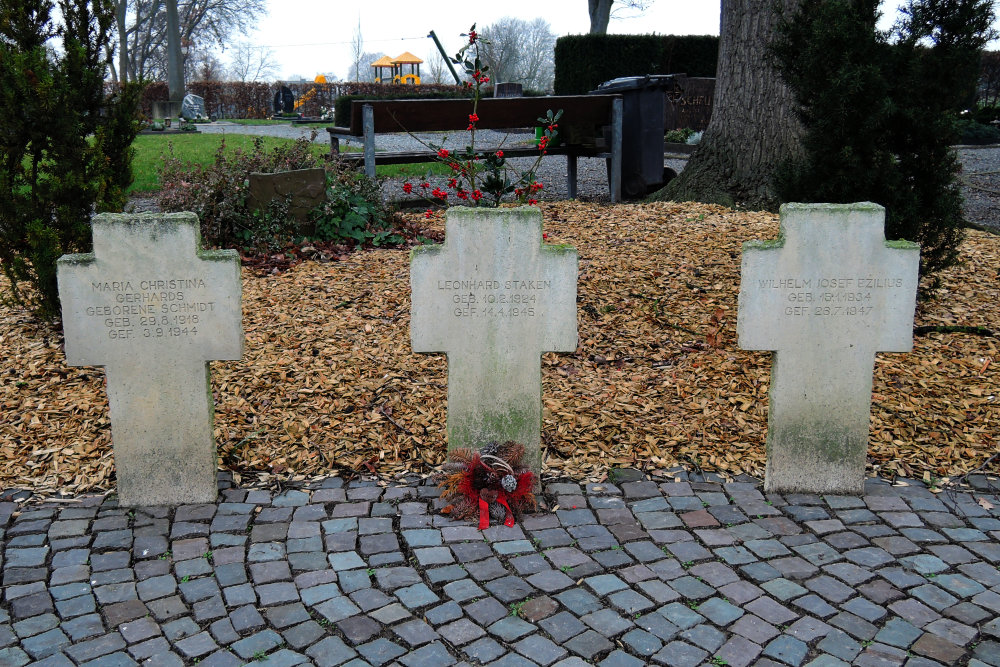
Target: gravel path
{"x": 980, "y": 164}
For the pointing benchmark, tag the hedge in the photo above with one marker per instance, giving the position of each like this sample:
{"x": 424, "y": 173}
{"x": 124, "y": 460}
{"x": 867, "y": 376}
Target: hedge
{"x": 583, "y": 62}
{"x": 238, "y": 99}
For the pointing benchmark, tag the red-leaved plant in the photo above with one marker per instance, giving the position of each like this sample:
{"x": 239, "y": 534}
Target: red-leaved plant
{"x": 483, "y": 178}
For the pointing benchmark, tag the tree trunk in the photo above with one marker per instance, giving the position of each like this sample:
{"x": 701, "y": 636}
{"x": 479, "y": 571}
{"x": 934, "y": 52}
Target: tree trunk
{"x": 600, "y": 15}
{"x": 753, "y": 127}
{"x": 120, "y": 13}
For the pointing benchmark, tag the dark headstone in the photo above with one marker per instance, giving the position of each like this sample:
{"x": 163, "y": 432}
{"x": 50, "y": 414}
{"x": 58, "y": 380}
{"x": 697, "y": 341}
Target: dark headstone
{"x": 284, "y": 100}
{"x": 306, "y": 187}
{"x": 193, "y": 107}
{"x": 690, "y": 104}
{"x": 508, "y": 89}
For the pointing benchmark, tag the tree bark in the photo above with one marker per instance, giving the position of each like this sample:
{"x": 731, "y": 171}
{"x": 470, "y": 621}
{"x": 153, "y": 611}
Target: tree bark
{"x": 753, "y": 128}
{"x": 600, "y": 15}
{"x": 120, "y": 14}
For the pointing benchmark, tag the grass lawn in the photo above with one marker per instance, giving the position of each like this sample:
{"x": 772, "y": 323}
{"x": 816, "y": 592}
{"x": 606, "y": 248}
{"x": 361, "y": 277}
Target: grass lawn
{"x": 201, "y": 148}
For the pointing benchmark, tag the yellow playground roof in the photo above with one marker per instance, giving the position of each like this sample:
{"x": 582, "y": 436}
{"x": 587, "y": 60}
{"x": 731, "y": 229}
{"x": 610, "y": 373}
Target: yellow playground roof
{"x": 406, "y": 58}
{"x": 384, "y": 61}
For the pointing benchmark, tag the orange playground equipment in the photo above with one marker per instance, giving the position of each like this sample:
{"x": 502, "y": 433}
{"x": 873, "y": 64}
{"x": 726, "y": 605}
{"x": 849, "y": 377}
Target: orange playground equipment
{"x": 395, "y": 67}
{"x": 311, "y": 94}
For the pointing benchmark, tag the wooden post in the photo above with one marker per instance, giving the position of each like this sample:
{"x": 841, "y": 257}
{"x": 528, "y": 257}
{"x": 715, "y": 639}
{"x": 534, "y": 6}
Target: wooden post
{"x": 368, "y": 123}
{"x": 615, "y": 177}
{"x": 571, "y": 176}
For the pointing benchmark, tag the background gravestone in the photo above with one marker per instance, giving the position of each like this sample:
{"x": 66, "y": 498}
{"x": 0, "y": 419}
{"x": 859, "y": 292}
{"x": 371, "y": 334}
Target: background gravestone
{"x": 193, "y": 107}
{"x": 304, "y": 189}
{"x": 284, "y": 100}
{"x": 153, "y": 308}
{"x": 493, "y": 298}
{"x": 825, "y": 296}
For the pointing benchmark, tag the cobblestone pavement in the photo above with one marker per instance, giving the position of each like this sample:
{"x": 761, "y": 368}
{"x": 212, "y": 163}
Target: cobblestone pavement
{"x": 691, "y": 572}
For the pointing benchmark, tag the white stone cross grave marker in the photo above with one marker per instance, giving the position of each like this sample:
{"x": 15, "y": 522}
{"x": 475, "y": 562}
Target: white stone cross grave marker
{"x": 153, "y": 308}
{"x": 825, "y": 296}
{"x": 494, "y": 298}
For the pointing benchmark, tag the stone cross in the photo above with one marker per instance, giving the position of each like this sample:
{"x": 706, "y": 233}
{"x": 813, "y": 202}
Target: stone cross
{"x": 494, "y": 298}
{"x": 153, "y": 308}
{"x": 827, "y": 295}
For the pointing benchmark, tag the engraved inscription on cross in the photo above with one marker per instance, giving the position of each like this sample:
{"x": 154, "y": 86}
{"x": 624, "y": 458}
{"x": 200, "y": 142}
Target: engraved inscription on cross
{"x": 494, "y": 298}
{"x": 153, "y": 308}
{"x": 825, "y": 297}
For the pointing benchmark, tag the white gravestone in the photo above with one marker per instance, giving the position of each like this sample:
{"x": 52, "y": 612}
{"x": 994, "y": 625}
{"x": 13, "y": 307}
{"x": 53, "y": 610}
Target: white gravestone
{"x": 153, "y": 308}
{"x": 494, "y": 298}
{"x": 825, "y": 297}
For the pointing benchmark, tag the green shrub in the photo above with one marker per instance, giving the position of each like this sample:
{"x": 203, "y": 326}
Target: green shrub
{"x": 217, "y": 192}
{"x": 64, "y": 141}
{"x": 971, "y": 132}
{"x": 354, "y": 211}
{"x": 678, "y": 136}
{"x": 879, "y": 116}
{"x": 115, "y": 140}
{"x": 986, "y": 114}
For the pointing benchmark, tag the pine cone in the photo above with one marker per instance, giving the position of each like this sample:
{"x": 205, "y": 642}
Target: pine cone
{"x": 498, "y": 512}
{"x": 509, "y": 483}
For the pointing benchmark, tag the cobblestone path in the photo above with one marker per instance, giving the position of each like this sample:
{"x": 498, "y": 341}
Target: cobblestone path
{"x": 692, "y": 572}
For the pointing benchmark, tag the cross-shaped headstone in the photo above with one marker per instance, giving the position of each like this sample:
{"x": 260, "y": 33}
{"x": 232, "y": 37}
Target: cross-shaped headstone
{"x": 494, "y": 298}
{"x": 825, "y": 296}
{"x": 153, "y": 308}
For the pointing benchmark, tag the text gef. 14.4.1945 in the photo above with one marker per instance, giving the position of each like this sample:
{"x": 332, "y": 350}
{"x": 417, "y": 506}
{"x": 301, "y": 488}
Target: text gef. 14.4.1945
{"x": 494, "y": 298}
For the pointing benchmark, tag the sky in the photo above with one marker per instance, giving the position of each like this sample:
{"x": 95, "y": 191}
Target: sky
{"x": 305, "y": 38}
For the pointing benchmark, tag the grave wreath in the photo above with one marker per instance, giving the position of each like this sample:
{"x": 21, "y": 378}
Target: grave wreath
{"x": 490, "y": 483}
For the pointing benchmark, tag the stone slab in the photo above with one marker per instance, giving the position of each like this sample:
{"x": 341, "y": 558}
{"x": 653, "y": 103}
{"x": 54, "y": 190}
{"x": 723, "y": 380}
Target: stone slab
{"x": 153, "y": 308}
{"x": 493, "y": 298}
{"x": 825, "y": 296}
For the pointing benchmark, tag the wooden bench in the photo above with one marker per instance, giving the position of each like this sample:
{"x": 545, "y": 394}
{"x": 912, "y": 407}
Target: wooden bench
{"x": 580, "y": 131}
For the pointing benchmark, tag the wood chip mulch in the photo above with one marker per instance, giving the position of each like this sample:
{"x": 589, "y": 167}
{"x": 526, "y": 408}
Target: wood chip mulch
{"x": 328, "y": 383}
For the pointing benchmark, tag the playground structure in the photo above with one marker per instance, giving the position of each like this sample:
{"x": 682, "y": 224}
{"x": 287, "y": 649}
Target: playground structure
{"x": 395, "y": 67}
{"x": 311, "y": 93}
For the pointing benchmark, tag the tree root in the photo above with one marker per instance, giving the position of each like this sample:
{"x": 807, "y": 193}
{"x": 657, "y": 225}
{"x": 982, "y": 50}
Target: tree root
{"x": 950, "y": 328}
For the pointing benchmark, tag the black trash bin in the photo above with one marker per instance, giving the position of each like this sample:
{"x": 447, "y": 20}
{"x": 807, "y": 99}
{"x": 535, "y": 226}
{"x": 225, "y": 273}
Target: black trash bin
{"x": 642, "y": 129}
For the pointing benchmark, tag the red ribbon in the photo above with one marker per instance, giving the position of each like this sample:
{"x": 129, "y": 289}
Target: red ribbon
{"x": 502, "y": 499}
{"x": 484, "y": 514}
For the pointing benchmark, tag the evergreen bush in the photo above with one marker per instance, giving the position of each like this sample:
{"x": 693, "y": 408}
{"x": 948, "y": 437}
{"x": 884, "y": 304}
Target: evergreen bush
{"x": 64, "y": 141}
{"x": 880, "y": 115}
{"x": 973, "y": 133}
